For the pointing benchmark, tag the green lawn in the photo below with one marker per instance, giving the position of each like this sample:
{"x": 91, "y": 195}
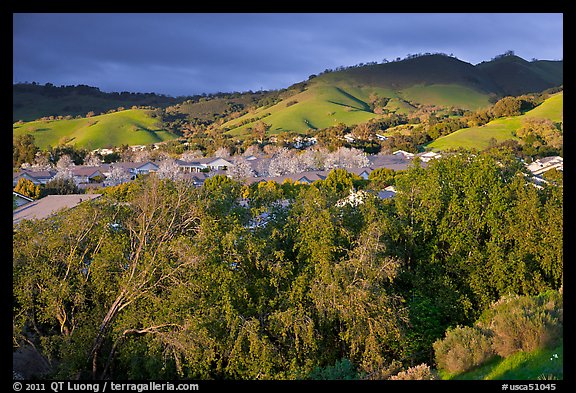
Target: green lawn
{"x": 132, "y": 127}
{"x": 519, "y": 366}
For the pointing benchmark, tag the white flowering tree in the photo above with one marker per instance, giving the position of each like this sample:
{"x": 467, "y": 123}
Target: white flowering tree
{"x": 191, "y": 155}
{"x": 168, "y": 169}
{"x": 222, "y": 152}
{"x": 241, "y": 170}
{"x": 346, "y": 158}
{"x": 64, "y": 162}
{"x": 92, "y": 160}
{"x": 118, "y": 175}
{"x": 42, "y": 162}
{"x": 284, "y": 162}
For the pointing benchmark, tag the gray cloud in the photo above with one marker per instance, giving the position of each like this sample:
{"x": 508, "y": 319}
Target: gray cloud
{"x": 180, "y": 54}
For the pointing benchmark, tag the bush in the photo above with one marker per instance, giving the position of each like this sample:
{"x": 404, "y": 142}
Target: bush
{"x": 462, "y": 349}
{"x": 420, "y": 372}
{"x": 341, "y": 370}
{"x": 525, "y": 323}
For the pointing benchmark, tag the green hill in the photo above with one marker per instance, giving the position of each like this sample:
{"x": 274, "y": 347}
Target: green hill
{"x": 500, "y": 129}
{"x": 31, "y": 101}
{"x": 439, "y": 80}
{"x": 132, "y": 127}
{"x": 323, "y": 105}
{"x": 514, "y": 76}
{"x": 341, "y": 96}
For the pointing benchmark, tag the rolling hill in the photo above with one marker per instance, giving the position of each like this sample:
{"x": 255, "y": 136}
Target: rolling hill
{"x": 132, "y": 127}
{"x": 500, "y": 129}
{"x": 31, "y": 101}
{"x": 440, "y": 80}
{"x": 341, "y": 96}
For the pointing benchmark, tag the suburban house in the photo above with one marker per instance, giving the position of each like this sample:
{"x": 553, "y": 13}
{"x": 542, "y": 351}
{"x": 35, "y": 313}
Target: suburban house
{"x": 303, "y": 177}
{"x": 197, "y": 178}
{"x": 381, "y": 137}
{"x": 36, "y": 177}
{"x": 403, "y": 153}
{"x": 388, "y": 192}
{"x": 49, "y": 205}
{"x": 362, "y": 172}
{"x": 215, "y": 163}
{"x": 136, "y": 168}
{"x": 396, "y": 162}
{"x": 190, "y": 167}
{"x": 87, "y": 174}
{"x": 20, "y": 199}
{"x": 430, "y": 155}
{"x": 542, "y": 165}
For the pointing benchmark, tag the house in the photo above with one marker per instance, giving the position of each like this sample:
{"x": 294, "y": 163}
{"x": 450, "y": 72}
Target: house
{"x": 381, "y": 137}
{"x": 388, "y": 192}
{"x": 395, "y": 162}
{"x": 349, "y": 138}
{"x": 190, "y": 166}
{"x": 136, "y": 168}
{"x": 364, "y": 173}
{"x": 20, "y": 199}
{"x": 403, "y": 153}
{"x": 215, "y": 163}
{"x": 425, "y": 157}
{"x": 197, "y": 179}
{"x": 542, "y": 165}
{"x": 36, "y": 177}
{"x": 303, "y": 177}
{"x": 49, "y": 205}
{"x": 87, "y": 174}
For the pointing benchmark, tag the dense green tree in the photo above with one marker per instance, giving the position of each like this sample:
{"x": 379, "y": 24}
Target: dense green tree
{"x": 27, "y": 188}
{"x": 158, "y": 279}
{"x": 23, "y": 150}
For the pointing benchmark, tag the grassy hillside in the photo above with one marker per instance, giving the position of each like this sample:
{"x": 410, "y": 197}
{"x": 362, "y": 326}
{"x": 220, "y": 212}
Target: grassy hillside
{"x": 446, "y": 95}
{"x": 514, "y": 75}
{"x": 323, "y": 105}
{"x": 132, "y": 127}
{"x": 519, "y": 366}
{"x": 319, "y": 106}
{"x": 500, "y": 129}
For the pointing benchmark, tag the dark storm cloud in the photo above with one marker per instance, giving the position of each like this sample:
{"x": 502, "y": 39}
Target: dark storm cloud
{"x": 180, "y": 54}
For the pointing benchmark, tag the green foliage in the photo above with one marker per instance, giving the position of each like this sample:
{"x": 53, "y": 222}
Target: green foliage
{"x": 513, "y": 324}
{"x": 60, "y": 185}
{"x": 521, "y": 323}
{"x": 463, "y": 348}
{"x": 381, "y": 178}
{"x": 27, "y": 188}
{"x": 158, "y": 279}
{"x": 341, "y": 370}
{"x": 23, "y": 149}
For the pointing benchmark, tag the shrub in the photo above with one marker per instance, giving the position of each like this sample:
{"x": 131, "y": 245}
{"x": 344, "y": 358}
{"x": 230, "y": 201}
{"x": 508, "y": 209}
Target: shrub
{"x": 525, "y": 323}
{"x": 420, "y": 372}
{"x": 342, "y": 369}
{"x": 462, "y": 349}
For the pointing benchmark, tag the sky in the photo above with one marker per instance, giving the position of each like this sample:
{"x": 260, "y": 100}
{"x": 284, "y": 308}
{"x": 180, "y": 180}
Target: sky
{"x": 194, "y": 53}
